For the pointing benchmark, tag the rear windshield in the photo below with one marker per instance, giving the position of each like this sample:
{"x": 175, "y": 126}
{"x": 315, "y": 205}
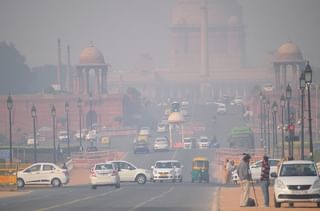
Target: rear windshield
{"x": 298, "y": 170}
{"x": 104, "y": 166}
{"x": 164, "y": 165}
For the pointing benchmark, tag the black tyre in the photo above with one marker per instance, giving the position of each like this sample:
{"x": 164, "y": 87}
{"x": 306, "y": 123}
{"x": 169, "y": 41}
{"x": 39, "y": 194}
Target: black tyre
{"x": 318, "y": 204}
{"x": 94, "y": 187}
{"x": 180, "y": 180}
{"x": 20, "y": 183}
{"x": 141, "y": 179}
{"x": 276, "y": 204}
{"x": 192, "y": 180}
{"x": 56, "y": 182}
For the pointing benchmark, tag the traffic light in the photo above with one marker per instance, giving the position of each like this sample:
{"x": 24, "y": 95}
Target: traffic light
{"x": 291, "y": 128}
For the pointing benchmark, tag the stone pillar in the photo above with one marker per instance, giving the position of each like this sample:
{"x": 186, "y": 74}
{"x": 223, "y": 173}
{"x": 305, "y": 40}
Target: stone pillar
{"x": 284, "y": 76}
{"x": 87, "y": 87}
{"x": 277, "y": 76}
{"x": 97, "y": 85}
{"x": 295, "y": 76}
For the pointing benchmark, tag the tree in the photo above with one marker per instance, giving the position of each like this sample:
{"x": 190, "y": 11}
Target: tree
{"x": 15, "y": 74}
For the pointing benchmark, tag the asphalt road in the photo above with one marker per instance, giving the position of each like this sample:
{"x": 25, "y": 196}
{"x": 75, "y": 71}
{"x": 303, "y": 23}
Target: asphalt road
{"x": 131, "y": 196}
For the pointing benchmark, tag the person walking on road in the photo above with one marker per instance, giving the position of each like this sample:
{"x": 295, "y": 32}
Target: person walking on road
{"x": 245, "y": 178}
{"x": 264, "y": 178}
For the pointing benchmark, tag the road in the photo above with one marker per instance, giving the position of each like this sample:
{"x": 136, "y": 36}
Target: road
{"x": 131, "y": 196}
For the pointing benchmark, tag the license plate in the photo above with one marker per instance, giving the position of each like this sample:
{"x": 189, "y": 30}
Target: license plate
{"x": 300, "y": 192}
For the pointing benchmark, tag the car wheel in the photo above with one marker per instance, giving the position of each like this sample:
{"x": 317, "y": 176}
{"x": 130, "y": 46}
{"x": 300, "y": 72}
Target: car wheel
{"x": 94, "y": 187}
{"x": 117, "y": 185}
{"x": 20, "y": 183}
{"x": 56, "y": 182}
{"x": 192, "y": 181}
{"x": 180, "y": 180}
{"x": 318, "y": 204}
{"x": 141, "y": 179}
{"x": 276, "y": 204}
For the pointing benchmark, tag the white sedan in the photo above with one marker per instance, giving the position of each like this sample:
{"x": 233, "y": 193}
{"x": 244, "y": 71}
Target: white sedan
{"x": 297, "y": 181}
{"x": 164, "y": 170}
{"x": 42, "y": 174}
{"x": 102, "y": 174}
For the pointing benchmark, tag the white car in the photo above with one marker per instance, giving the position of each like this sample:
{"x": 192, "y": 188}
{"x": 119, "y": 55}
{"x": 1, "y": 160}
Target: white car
{"x": 63, "y": 136}
{"x": 92, "y": 135}
{"x": 161, "y": 144}
{"x": 130, "y": 173}
{"x": 162, "y": 127}
{"x": 42, "y": 174}
{"x": 221, "y": 108}
{"x": 189, "y": 143}
{"x": 102, "y": 174}
{"x": 178, "y": 168}
{"x": 297, "y": 181}
{"x": 255, "y": 170}
{"x": 204, "y": 142}
{"x": 163, "y": 170}
{"x": 144, "y": 131}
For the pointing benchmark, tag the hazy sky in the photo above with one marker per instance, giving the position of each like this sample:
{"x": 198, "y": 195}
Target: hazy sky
{"x": 124, "y": 29}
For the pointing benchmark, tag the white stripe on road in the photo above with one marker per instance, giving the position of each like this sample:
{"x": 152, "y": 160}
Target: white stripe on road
{"x": 174, "y": 155}
{"x": 78, "y": 200}
{"x": 151, "y": 199}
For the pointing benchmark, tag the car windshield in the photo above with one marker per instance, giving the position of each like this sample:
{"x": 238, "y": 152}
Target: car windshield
{"x": 163, "y": 165}
{"x": 298, "y": 170}
{"x": 176, "y": 164}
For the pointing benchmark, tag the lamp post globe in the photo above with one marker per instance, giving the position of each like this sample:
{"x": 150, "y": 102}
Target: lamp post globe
{"x": 10, "y": 106}
{"x": 34, "y": 116}
{"x": 308, "y": 73}
{"x": 53, "y": 114}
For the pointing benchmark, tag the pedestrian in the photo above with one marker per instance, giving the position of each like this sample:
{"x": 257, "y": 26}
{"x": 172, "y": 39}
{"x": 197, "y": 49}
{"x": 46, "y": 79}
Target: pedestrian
{"x": 245, "y": 178}
{"x": 230, "y": 169}
{"x": 264, "y": 179}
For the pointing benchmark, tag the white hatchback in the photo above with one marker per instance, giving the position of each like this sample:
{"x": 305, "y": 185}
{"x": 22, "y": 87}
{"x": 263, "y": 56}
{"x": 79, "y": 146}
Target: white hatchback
{"x": 42, "y": 174}
{"x": 296, "y": 181}
{"x": 163, "y": 170}
{"x": 102, "y": 174}
{"x": 161, "y": 144}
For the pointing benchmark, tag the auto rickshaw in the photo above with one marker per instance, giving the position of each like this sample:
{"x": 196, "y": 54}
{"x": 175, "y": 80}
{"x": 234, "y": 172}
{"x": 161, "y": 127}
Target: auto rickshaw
{"x": 200, "y": 169}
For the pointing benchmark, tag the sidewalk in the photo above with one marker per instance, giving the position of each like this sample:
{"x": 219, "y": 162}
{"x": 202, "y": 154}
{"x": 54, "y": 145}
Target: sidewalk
{"x": 229, "y": 200}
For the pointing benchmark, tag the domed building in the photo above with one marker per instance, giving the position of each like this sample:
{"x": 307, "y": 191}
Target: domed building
{"x": 288, "y": 65}
{"x": 207, "y": 38}
{"x": 91, "y": 73}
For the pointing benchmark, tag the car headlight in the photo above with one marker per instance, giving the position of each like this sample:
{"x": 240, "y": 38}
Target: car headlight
{"x": 279, "y": 184}
{"x": 316, "y": 184}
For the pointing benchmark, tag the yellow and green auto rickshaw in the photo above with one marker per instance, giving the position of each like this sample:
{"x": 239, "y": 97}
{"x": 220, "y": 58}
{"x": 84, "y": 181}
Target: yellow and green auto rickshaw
{"x": 200, "y": 169}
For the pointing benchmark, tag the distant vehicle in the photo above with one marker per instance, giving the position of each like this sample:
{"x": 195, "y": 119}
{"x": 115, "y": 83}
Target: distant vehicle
{"x": 141, "y": 147}
{"x": 268, "y": 87}
{"x": 296, "y": 181}
{"x": 238, "y": 100}
{"x": 144, "y": 131}
{"x": 63, "y": 136}
{"x": 42, "y": 174}
{"x": 83, "y": 134}
{"x": 221, "y": 108}
{"x": 162, "y": 127}
{"x": 102, "y": 174}
{"x": 163, "y": 170}
{"x": 189, "y": 143}
{"x": 161, "y": 144}
{"x": 130, "y": 173}
{"x": 241, "y": 138}
{"x": 92, "y": 135}
{"x": 204, "y": 142}
{"x": 30, "y": 140}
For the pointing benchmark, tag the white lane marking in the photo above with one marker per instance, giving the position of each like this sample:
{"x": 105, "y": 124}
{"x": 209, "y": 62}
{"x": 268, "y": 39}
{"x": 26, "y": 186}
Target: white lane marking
{"x": 216, "y": 200}
{"x": 174, "y": 155}
{"x": 78, "y": 200}
{"x": 151, "y": 199}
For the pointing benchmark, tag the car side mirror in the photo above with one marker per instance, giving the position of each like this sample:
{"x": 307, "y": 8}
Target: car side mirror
{"x": 274, "y": 175}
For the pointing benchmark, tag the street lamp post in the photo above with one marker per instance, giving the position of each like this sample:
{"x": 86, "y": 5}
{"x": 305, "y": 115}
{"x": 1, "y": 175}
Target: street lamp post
{"x": 264, "y": 124}
{"x": 302, "y": 85}
{"x": 274, "y": 124}
{"x": 53, "y": 114}
{"x": 10, "y": 106}
{"x": 80, "y": 114}
{"x": 282, "y": 105}
{"x": 308, "y": 80}
{"x": 268, "y": 122}
{"x": 261, "y": 114}
{"x": 288, "y": 97}
{"x": 66, "y": 108}
{"x": 34, "y": 116}
{"x": 90, "y": 105}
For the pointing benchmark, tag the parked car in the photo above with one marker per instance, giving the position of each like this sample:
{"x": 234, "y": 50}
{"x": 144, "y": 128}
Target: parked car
{"x": 42, "y": 174}
{"x": 102, "y": 174}
{"x": 189, "y": 143}
{"x": 255, "y": 170}
{"x": 141, "y": 147}
{"x": 221, "y": 108}
{"x": 161, "y": 144}
{"x": 130, "y": 173}
{"x": 296, "y": 181}
{"x": 163, "y": 170}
